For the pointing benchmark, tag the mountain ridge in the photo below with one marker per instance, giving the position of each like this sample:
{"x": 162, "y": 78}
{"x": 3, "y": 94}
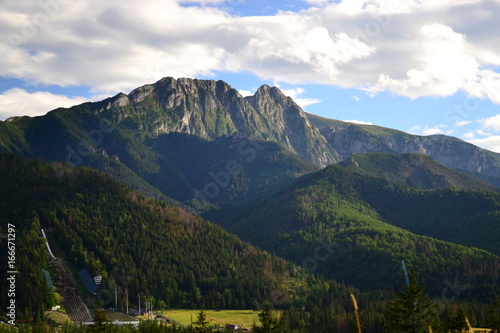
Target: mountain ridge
{"x": 349, "y": 138}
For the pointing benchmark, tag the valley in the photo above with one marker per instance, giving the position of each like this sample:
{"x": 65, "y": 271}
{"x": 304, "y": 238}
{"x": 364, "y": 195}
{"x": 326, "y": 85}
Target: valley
{"x": 190, "y": 196}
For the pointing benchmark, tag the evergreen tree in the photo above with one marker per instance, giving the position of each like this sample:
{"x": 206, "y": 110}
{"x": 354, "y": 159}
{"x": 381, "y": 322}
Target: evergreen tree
{"x": 457, "y": 323}
{"x": 201, "y": 323}
{"x": 411, "y": 311}
{"x": 494, "y": 314}
{"x": 99, "y": 322}
{"x": 268, "y": 320}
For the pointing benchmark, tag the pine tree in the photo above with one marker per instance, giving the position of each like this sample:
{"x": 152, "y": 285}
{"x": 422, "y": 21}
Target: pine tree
{"x": 268, "y": 320}
{"x": 411, "y": 311}
{"x": 494, "y": 314}
{"x": 201, "y": 323}
{"x": 457, "y": 323}
{"x": 100, "y": 320}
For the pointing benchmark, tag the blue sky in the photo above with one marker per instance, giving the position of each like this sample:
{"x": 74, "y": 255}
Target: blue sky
{"x": 423, "y": 67}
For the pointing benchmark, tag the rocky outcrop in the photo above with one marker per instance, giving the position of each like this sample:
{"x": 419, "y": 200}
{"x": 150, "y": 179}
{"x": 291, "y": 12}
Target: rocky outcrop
{"x": 211, "y": 109}
{"x": 349, "y": 139}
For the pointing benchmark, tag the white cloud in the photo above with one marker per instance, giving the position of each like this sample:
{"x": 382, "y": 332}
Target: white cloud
{"x": 415, "y": 130}
{"x": 317, "y": 2}
{"x": 412, "y": 48}
{"x": 432, "y": 131}
{"x": 492, "y": 122}
{"x": 438, "y": 129}
{"x": 245, "y": 93}
{"x": 294, "y": 94}
{"x": 18, "y": 102}
{"x": 360, "y": 122}
{"x": 468, "y": 135}
{"x": 462, "y": 123}
{"x": 482, "y": 133}
{"x": 491, "y": 143}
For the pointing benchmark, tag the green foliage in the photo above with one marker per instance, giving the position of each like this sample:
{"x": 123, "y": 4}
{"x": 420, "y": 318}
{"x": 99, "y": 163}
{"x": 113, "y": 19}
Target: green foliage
{"x": 201, "y": 323}
{"x": 456, "y": 323}
{"x": 99, "y": 322}
{"x": 349, "y": 211}
{"x": 494, "y": 314}
{"x": 269, "y": 323}
{"x": 160, "y": 249}
{"x": 411, "y": 311}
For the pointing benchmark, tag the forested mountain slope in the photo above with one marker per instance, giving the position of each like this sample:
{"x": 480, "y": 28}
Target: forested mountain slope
{"x": 106, "y": 228}
{"x": 361, "y": 216}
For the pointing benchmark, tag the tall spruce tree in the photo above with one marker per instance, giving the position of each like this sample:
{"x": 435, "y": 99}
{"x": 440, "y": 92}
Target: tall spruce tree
{"x": 494, "y": 314}
{"x": 456, "y": 323}
{"x": 268, "y": 320}
{"x": 201, "y": 323}
{"x": 412, "y": 311}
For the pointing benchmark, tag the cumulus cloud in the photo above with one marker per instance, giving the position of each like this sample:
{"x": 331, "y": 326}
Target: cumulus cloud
{"x": 426, "y": 130}
{"x": 491, "y": 123}
{"x": 491, "y": 143}
{"x": 462, "y": 123}
{"x": 360, "y": 122}
{"x": 19, "y": 102}
{"x": 411, "y": 48}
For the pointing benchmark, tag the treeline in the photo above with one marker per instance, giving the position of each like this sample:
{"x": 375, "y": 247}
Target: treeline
{"x": 410, "y": 310}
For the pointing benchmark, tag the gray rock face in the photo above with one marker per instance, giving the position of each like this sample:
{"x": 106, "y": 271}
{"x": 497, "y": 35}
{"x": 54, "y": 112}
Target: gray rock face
{"x": 449, "y": 151}
{"x": 211, "y": 109}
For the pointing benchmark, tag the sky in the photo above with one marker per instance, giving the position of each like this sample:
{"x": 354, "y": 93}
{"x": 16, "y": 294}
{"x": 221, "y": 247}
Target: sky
{"x": 420, "y": 66}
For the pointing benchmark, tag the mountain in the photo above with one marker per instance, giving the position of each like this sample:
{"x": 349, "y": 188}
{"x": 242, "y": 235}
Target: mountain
{"x": 98, "y": 224}
{"x": 345, "y": 202}
{"x": 166, "y": 140}
{"x": 414, "y": 170}
{"x": 348, "y": 139}
{"x": 211, "y": 109}
{"x": 128, "y": 137}
{"x": 144, "y": 246}
{"x": 358, "y": 228}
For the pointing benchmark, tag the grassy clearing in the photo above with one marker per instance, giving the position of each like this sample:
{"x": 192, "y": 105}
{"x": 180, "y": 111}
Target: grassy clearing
{"x": 235, "y": 317}
{"x": 112, "y": 316}
{"x": 58, "y": 317}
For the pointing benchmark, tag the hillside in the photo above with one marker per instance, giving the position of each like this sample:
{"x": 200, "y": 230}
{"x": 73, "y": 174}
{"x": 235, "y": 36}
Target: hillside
{"x": 361, "y": 216}
{"x": 105, "y": 227}
{"x": 414, "y": 170}
{"x": 154, "y": 249}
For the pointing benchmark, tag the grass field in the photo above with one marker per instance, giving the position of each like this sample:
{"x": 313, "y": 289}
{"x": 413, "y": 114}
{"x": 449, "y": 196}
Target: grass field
{"x": 112, "y": 316}
{"x": 58, "y": 317}
{"x": 246, "y": 318}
